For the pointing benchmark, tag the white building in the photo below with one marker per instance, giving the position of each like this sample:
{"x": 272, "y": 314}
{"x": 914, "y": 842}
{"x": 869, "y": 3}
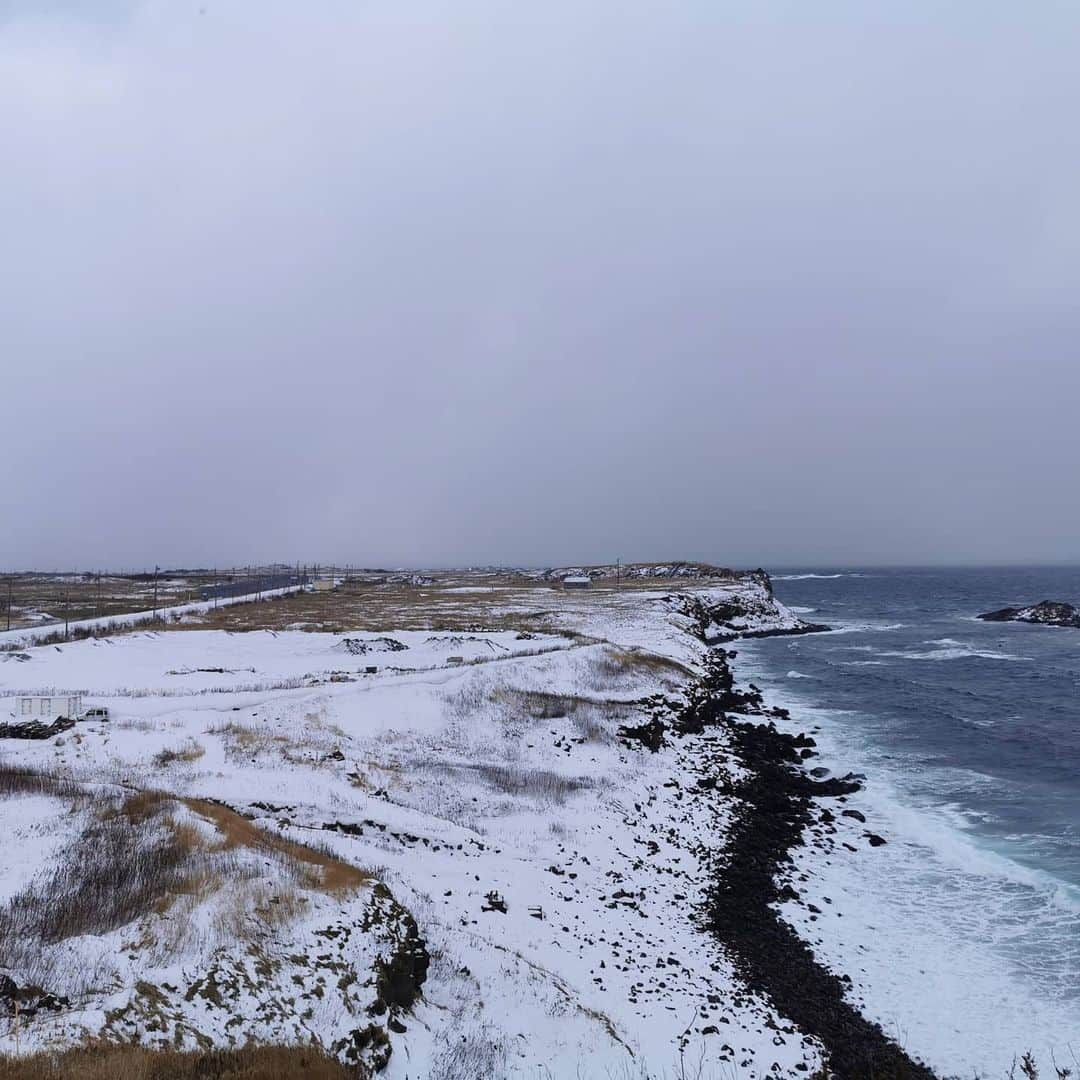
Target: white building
{"x": 46, "y": 707}
{"x": 577, "y": 581}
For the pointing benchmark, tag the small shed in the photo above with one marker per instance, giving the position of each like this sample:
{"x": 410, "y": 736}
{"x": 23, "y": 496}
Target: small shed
{"x": 577, "y": 581}
{"x": 49, "y": 707}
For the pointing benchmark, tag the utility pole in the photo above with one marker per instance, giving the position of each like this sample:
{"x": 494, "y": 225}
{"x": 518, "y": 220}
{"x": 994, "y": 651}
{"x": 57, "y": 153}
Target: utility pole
{"x": 67, "y": 595}
{"x": 618, "y": 573}
{"x": 9, "y": 581}
{"x": 154, "y": 616}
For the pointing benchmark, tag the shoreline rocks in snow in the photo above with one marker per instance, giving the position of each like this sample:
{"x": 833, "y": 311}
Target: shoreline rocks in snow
{"x": 1046, "y": 613}
{"x": 779, "y": 809}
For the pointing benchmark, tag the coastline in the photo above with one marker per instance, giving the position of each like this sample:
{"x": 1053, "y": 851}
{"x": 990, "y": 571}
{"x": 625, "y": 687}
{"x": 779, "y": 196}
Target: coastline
{"x": 781, "y": 807}
{"x": 937, "y": 929}
{"x": 723, "y": 901}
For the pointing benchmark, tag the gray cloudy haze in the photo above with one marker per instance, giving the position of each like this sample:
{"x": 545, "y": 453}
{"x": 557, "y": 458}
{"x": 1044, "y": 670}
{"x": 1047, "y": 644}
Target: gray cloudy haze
{"x": 436, "y": 282}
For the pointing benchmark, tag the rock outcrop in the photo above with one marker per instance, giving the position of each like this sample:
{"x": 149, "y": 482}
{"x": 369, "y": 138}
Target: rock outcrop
{"x": 748, "y": 610}
{"x": 694, "y": 571}
{"x": 1047, "y": 613}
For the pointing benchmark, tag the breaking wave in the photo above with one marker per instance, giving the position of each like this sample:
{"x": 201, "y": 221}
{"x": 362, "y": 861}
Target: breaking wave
{"x": 809, "y": 577}
{"x": 950, "y": 649}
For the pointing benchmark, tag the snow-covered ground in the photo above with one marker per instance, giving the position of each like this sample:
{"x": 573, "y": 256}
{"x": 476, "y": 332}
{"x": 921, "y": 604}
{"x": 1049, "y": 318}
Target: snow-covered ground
{"x": 329, "y": 799}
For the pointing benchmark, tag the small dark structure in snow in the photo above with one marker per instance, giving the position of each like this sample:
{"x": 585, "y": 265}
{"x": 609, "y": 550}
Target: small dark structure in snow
{"x": 577, "y": 581}
{"x": 495, "y": 902}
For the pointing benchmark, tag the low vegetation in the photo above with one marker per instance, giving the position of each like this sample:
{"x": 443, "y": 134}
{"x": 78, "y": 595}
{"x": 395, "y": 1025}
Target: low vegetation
{"x": 137, "y": 856}
{"x": 106, "y": 1062}
{"x": 187, "y": 753}
{"x": 17, "y": 780}
{"x": 540, "y": 785}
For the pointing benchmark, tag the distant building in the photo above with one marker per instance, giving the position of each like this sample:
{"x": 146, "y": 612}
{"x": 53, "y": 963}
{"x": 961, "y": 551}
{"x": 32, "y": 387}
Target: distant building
{"x": 577, "y": 581}
{"x": 49, "y": 707}
{"x": 325, "y": 584}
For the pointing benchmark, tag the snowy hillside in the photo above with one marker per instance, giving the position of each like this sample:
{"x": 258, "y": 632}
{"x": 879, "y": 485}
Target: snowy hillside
{"x": 427, "y": 850}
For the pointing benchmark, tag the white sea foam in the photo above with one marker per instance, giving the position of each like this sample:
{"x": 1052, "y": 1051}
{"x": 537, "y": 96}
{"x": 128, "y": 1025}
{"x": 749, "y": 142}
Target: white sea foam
{"x": 949, "y": 648}
{"x": 808, "y": 577}
{"x": 866, "y": 627}
{"x": 800, "y": 610}
{"x": 799, "y": 675}
{"x": 953, "y": 650}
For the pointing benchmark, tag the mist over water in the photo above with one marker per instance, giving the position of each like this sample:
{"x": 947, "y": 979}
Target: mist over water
{"x": 969, "y": 736}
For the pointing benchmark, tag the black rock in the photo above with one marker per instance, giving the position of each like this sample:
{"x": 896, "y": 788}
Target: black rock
{"x": 1046, "y": 613}
{"x": 26, "y": 1001}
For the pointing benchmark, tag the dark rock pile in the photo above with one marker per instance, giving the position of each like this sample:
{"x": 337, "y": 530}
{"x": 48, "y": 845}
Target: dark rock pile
{"x": 361, "y": 646}
{"x": 35, "y": 729}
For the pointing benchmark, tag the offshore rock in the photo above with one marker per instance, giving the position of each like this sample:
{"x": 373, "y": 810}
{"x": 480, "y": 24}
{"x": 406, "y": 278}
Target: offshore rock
{"x": 1046, "y": 613}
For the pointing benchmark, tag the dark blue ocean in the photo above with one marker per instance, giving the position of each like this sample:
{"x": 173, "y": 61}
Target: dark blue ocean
{"x": 969, "y": 736}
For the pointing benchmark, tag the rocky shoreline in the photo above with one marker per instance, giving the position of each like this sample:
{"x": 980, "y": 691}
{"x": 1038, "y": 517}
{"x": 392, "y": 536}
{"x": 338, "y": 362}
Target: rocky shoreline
{"x": 781, "y": 807}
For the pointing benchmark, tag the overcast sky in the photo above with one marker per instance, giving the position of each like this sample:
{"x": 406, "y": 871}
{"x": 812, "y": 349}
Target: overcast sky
{"x": 435, "y": 283}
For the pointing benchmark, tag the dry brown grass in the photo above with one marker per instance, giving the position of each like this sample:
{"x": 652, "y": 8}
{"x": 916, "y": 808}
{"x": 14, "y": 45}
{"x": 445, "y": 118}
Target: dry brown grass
{"x": 504, "y": 601}
{"x": 139, "y": 856}
{"x": 129, "y": 860}
{"x": 304, "y": 745}
{"x": 323, "y": 870}
{"x": 247, "y": 740}
{"x": 188, "y": 752}
{"x": 372, "y": 607}
{"x": 624, "y": 661}
{"x": 18, "y": 780}
{"x": 85, "y": 597}
{"x": 136, "y": 1063}
{"x": 317, "y": 868}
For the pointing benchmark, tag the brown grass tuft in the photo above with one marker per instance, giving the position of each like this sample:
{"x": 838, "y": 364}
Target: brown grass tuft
{"x": 325, "y": 872}
{"x": 103, "y": 1062}
{"x": 188, "y": 752}
{"x": 19, "y": 780}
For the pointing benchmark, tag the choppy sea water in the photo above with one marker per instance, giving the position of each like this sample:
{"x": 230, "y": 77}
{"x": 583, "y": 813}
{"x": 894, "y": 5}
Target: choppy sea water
{"x": 963, "y": 932}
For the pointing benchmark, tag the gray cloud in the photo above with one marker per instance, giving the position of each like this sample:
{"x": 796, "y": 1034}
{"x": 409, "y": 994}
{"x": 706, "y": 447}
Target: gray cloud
{"x": 465, "y": 282}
